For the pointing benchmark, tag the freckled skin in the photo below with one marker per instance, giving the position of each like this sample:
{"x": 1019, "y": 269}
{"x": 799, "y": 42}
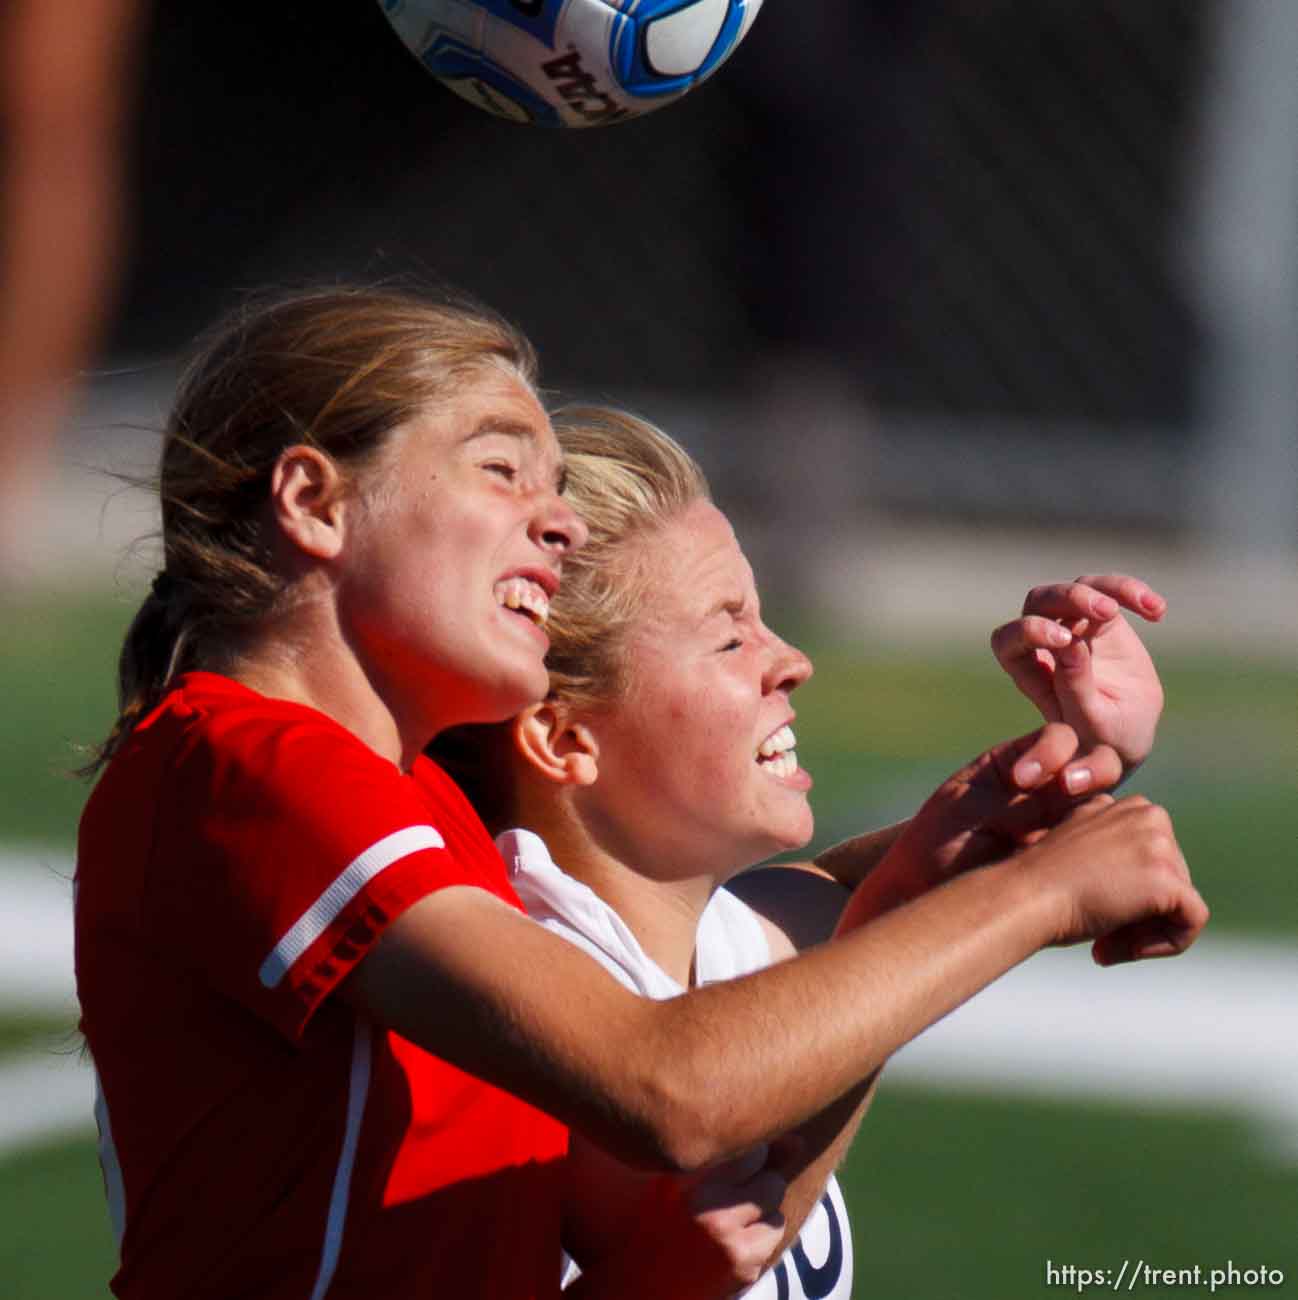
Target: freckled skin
{"x": 470, "y": 505}
{"x": 709, "y": 682}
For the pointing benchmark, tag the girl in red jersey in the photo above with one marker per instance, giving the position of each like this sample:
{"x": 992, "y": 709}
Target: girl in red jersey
{"x": 328, "y": 1041}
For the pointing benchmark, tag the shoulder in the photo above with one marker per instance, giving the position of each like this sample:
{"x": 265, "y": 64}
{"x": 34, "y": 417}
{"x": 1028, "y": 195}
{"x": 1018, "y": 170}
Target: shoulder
{"x": 735, "y": 940}
{"x": 257, "y": 787}
{"x": 798, "y": 902}
{"x": 234, "y": 750}
{"x": 221, "y": 717}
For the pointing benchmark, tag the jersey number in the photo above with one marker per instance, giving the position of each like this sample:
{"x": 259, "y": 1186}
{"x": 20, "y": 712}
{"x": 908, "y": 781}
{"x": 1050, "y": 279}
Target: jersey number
{"x": 816, "y": 1282}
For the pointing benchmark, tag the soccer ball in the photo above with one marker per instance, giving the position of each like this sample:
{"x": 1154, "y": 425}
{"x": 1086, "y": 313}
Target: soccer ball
{"x": 571, "y": 62}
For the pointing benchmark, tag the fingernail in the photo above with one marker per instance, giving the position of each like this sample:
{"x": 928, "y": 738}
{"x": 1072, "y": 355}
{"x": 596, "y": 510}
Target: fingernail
{"x": 1150, "y": 602}
{"x": 1104, "y": 606}
{"x": 1078, "y": 779}
{"x": 1059, "y": 635}
{"x": 1028, "y": 773}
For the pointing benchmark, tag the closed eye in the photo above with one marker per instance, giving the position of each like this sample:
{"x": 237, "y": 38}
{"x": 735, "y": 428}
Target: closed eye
{"x": 733, "y": 644}
{"x": 502, "y": 467}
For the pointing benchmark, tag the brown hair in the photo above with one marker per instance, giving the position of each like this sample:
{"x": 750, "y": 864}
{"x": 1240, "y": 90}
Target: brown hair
{"x": 626, "y": 479}
{"x": 338, "y": 369}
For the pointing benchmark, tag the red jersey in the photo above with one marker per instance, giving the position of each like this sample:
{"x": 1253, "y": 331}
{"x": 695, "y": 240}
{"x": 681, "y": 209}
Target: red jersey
{"x": 238, "y": 857}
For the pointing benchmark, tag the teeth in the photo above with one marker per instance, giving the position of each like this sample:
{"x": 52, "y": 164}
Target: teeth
{"x": 776, "y": 753}
{"x": 785, "y": 764}
{"x": 524, "y": 594}
{"x": 778, "y": 743}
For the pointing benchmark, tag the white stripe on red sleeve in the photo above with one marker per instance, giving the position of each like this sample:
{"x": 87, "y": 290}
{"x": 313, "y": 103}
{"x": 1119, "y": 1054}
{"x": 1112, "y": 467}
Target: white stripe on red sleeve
{"x": 353, "y": 878}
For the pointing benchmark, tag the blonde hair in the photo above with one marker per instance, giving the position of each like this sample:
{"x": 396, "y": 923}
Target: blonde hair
{"x": 627, "y": 480}
{"x": 339, "y": 369}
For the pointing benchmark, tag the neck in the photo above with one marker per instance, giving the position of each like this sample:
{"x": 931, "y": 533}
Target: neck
{"x": 662, "y": 912}
{"x": 306, "y": 659}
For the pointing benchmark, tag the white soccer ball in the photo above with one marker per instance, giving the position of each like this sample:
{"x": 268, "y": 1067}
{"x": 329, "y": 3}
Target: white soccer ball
{"x": 571, "y": 62}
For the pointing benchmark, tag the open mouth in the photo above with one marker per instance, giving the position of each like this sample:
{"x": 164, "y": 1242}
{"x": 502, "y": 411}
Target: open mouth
{"x": 524, "y": 597}
{"x": 777, "y": 755}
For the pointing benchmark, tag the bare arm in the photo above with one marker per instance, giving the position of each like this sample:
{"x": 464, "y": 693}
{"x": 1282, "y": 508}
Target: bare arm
{"x": 695, "y": 1080}
{"x": 786, "y": 893}
{"x": 685, "y": 1083}
{"x": 822, "y": 1142}
{"x": 852, "y": 860}
{"x": 608, "y": 1201}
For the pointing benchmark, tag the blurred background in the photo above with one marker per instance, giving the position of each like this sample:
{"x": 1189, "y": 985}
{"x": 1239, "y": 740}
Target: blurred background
{"x": 950, "y": 297}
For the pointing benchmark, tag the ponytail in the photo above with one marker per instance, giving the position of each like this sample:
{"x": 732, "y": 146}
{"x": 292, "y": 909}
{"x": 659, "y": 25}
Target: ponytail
{"x": 154, "y": 644}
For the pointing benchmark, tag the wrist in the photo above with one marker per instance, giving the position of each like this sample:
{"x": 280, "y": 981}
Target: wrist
{"x": 1039, "y": 902}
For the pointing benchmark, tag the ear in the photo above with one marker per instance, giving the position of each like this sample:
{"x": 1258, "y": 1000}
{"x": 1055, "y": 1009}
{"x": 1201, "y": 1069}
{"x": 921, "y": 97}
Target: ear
{"x": 562, "y": 750}
{"x": 306, "y": 493}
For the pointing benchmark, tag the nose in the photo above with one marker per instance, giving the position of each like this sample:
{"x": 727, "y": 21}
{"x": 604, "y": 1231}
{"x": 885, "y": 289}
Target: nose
{"x": 556, "y": 526}
{"x": 787, "y": 669}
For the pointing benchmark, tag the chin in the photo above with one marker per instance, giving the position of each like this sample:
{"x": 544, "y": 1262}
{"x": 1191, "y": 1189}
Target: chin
{"x": 800, "y": 825}
{"x": 790, "y": 838}
{"x": 501, "y": 699}
{"x": 509, "y": 702}
{"x": 518, "y": 682}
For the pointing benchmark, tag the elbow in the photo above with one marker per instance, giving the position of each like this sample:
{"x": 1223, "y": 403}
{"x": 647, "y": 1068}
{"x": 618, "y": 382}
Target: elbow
{"x": 690, "y": 1125}
{"x": 683, "y": 1147}
{"x": 685, "y": 1097}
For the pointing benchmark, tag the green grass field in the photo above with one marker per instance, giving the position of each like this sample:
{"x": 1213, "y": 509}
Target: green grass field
{"x": 962, "y": 1198}
{"x": 955, "y": 1196}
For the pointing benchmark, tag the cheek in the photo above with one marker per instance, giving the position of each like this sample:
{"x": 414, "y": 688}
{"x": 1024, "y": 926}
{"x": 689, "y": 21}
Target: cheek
{"x": 719, "y": 748}
{"x": 692, "y": 732}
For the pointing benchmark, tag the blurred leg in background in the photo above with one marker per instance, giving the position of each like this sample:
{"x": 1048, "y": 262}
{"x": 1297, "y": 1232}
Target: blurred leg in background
{"x": 65, "y": 89}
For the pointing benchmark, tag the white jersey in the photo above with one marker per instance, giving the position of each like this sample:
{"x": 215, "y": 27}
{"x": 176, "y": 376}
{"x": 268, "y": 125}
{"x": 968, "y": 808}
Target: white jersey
{"x": 731, "y": 942}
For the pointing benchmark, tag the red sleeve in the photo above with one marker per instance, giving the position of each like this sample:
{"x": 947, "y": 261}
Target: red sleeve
{"x": 284, "y": 849}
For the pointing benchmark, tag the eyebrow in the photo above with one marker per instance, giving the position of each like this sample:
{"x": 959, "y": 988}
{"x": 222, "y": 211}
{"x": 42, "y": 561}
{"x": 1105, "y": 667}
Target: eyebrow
{"x": 510, "y": 428}
{"x": 727, "y": 605}
{"x": 524, "y": 433}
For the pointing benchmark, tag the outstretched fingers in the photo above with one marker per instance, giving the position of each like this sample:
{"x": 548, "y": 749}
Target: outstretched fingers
{"x": 1047, "y": 650}
{"x": 1026, "y": 648}
{"x": 1075, "y": 656}
{"x": 1096, "y": 598}
{"x": 1131, "y": 593}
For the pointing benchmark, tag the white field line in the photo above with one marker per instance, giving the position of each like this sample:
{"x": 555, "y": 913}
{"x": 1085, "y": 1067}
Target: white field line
{"x": 1217, "y": 1028}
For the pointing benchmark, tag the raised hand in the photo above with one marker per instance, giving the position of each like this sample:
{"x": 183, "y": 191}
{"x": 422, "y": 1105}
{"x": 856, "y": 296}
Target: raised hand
{"x": 1075, "y": 656}
{"x": 1004, "y": 799}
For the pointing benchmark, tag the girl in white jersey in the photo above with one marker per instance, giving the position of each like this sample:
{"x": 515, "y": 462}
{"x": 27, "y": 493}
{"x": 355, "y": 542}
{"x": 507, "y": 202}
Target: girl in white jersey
{"x": 663, "y": 764}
